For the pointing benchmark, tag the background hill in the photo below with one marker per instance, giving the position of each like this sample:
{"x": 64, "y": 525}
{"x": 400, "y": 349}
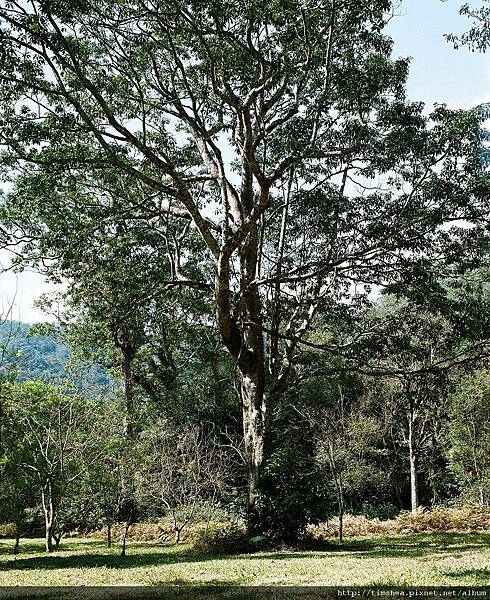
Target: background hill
{"x": 33, "y": 356}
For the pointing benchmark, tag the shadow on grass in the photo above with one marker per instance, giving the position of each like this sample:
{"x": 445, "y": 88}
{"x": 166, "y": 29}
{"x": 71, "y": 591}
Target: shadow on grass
{"x": 478, "y": 576}
{"x": 28, "y": 546}
{"x": 78, "y": 560}
{"x": 422, "y": 544}
{"x": 75, "y": 555}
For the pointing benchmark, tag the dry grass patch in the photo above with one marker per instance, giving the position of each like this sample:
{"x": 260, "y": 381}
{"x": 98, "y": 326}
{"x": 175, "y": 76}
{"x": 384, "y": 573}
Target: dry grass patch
{"x": 438, "y": 519}
{"x": 162, "y": 531}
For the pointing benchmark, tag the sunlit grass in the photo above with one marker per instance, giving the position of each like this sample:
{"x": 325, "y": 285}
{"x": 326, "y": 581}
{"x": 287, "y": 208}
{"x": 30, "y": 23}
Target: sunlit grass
{"x": 419, "y": 559}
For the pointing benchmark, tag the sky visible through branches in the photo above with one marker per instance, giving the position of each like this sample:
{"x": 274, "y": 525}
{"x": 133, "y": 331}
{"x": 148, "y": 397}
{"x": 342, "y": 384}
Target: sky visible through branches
{"x": 436, "y": 76}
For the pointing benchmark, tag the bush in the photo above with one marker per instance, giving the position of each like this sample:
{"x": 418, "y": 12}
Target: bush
{"x": 160, "y": 531}
{"x": 292, "y": 496}
{"x": 222, "y": 539}
{"x": 353, "y": 526}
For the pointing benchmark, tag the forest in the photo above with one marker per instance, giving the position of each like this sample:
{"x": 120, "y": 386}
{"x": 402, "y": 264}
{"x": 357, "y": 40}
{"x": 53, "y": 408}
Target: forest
{"x": 275, "y": 305}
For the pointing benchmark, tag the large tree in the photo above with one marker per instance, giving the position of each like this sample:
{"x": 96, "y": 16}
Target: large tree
{"x": 279, "y": 131}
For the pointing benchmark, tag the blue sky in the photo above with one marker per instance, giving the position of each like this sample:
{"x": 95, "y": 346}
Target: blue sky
{"x": 438, "y": 74}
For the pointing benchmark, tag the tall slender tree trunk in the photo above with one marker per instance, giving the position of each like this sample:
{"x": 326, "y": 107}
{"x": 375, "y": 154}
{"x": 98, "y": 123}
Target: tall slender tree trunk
{"x": 127, "y": 478}
{"x": 341, "y": 520}
{"x": 414, "y": 500}
{"x": 49, "y": 536}
{"x": 339, "y": 486}
{"x": 482, "y": 496}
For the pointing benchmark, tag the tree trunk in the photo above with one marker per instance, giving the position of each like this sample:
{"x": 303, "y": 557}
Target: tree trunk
{"x": 337, "y": 476}
{"x": 127, "y": 356}
{"x": 242, "y": 334}
{"x": 49, "y": 536}
{"x": 482, "y": 496}
{"x": 17, "y": 538}
{"x": 109, "y": 534}
{"x": 57, "y": 539}
{"x": 209, "y": 515}
{"x": 414, "y": 500}
{"x": 49, "y": 515}
{"x": 256, "y": 435}
{"x": 341, "y": 510}
{"x": 125, "y": 537}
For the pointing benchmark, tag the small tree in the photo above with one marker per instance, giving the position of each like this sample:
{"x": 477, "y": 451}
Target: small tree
{"x": 106, "y": 486}
{"x": 347, "y": 444}
{"x": 183, "y": 468}
{"x": 55, "y": 437}
{"x": 15, "y": 498}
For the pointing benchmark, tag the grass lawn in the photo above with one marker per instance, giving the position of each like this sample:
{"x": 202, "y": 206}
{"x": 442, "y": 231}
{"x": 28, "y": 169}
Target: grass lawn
{"x": 420, "y": 559}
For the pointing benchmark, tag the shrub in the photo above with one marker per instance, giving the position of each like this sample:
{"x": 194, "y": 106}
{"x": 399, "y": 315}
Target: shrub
{"x": 445, "y": 519}
{"x": 223, "y": 538}
{"x": 353, "y": 526}
{"x": 160, "y": 531}
{"x": 291, "y": 497}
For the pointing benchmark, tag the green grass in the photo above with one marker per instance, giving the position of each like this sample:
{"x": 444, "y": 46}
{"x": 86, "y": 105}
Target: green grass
{"x": 419, "y": 559}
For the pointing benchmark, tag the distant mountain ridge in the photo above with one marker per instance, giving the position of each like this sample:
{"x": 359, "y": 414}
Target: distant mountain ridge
{"x": 43, "y": 357}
